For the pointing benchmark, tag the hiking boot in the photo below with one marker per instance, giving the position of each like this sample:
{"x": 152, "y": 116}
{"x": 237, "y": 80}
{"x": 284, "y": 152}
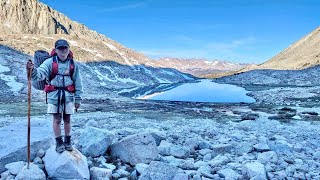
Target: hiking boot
{"x": 67, "y": 143}
{"x": 59, "y": 145}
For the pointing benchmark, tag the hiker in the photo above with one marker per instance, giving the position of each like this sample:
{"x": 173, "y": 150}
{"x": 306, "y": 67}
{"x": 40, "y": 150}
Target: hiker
{"x": 64, "y": 90}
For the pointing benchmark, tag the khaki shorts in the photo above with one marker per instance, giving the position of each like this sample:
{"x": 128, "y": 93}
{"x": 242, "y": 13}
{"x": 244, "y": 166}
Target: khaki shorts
{"x": 53, "y": 109}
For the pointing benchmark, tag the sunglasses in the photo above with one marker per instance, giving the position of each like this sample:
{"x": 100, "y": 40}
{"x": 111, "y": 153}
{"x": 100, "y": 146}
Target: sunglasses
{"x": 62, "y": 48}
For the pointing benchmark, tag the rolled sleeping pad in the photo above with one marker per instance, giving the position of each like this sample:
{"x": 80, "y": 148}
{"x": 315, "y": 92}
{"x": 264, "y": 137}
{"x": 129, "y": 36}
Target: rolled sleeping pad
{"x": 39, "y": 57}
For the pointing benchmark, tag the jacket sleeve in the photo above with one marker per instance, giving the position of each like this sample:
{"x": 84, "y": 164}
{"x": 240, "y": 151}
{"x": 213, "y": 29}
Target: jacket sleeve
{"x": 42, "y": 72}
{"x": 78, "y": 84}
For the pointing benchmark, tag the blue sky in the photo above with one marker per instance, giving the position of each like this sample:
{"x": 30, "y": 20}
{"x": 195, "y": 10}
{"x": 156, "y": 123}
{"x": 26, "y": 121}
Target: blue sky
{"x": 247, "y": 31}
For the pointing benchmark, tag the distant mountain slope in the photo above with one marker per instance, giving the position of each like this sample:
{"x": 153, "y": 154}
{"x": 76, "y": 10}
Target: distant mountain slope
{"x": 198, "y": 67}
{"x": 266, "y": 77}
{"x": 301, "y": 54}
{"x": 28, "y": 25}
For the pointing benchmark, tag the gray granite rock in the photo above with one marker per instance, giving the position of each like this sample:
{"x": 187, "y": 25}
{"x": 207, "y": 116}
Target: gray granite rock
{"x": 94, "y": 142}
{"x": 41, "y": 138}
{"x": 41, "y": 153}
{"x": 5, "y": 174}
{"x": 166, "y": 149}
{"x": 180, "y": 176}
{"x": 67, "y": 165}
{"x": 100, "y": 173}
{"x": 140, "y": 167}
{"x": 255, "y": 170}
{"x": 218, "y": 160}
{"x": 221, "y": 149}
{"x": 229, "y": 174}
{"x": 269, "y": 156}
{"x": 159, "y": 170}
{"x": 179, "y": 151}
{"x": 33, "y": 173}
{"x": 172, "y": 160}
{"x": 134, "y": 149}
{"x": 15, "y": 167}
{"x": 261, "y": 147}
{"x": 38, "y": 160}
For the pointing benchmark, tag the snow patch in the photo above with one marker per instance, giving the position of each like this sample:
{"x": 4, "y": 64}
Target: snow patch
{"x": 123, "y": 80}
{"x": 49, "y": 38}
{"x": 99, "y": 55}
{"x": 112, "y": 47}
{"x": 73, "y": 43}
{"x": 11, "y": 82}
{"x": 128, "y": 90}
{"x": 43, "y": 47}
{"x": 4, "y": 69}
{"x": 149, "y": 96}
{"x": 163, "y": 81}
{"x": 90, "y": 50}
{"x": 121, "y": 53}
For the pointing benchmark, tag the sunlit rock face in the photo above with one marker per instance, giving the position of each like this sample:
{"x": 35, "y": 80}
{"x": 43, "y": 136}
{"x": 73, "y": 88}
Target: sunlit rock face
{"x": 28, "y": 25}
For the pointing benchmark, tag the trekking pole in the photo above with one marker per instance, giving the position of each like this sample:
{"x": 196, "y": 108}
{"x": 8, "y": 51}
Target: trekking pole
{"x": 29, "y": 110}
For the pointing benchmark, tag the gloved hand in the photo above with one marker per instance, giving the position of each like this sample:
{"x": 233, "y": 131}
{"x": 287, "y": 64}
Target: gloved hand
{"x": 30, "y": 65}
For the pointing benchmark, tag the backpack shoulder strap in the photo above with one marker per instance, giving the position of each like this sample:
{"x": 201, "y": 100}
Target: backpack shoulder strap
{"x": 54, "y": 70}
{"x": 71, "y": 69}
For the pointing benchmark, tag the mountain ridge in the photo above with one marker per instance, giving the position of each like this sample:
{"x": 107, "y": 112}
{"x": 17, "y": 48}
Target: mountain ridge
{"x": 28, "y": 25}
{"x": 198, "y": 66}
{"x": 302, "y": 54}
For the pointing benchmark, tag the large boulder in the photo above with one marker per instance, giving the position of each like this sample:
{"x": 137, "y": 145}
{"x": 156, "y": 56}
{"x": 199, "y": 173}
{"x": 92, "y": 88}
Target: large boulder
{"x": 134, "y": 149}
{"x": 13, "y": 141}
{"x": 33, "y": 173}
{"x": 165, "y": 148}
{"x": 67, "y": 165}
{"x": 159, "y": 170}
{"x": 94, "y": 142}
{"x": 229, "y": 174}
{"x": 254, "y": 170}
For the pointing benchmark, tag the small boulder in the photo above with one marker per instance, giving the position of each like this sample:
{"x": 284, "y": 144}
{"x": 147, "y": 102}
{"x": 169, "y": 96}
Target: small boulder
{"x": 33, "y": 173}
{"x": 41, "y": 153}
{"x": 100, "y": 173}
{"x": 140, "y": 167}
{"x": 261, "y": 147}
{"x": 228, "y": 174}
{"x": 159, "y": 170}
{"x": 266, "y": 157}
{"x": 15, "y": 167}
{"x": 221, "y": 149}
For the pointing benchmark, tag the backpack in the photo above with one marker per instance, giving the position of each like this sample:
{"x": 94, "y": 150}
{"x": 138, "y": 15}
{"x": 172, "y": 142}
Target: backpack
{"x": 39, "y": 57}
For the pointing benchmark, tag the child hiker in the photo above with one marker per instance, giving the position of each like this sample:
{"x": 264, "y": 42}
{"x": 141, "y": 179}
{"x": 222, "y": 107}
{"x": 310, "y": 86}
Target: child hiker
{"x": 64, "y": 90}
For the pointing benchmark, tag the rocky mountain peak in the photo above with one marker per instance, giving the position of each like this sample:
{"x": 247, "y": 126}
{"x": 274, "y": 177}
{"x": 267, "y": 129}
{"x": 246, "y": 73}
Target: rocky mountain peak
{"x": 28, "y": 25}
{"x": 33, "y": 17}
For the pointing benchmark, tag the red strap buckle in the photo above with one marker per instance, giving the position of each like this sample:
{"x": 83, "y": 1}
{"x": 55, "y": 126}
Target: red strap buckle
{"x": 49, "y": 88}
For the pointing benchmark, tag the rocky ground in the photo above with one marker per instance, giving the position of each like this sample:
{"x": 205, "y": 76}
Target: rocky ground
{"x": 276, "y": 138}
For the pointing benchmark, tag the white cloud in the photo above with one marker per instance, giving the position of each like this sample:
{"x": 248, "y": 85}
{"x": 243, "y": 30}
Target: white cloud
{"x": 124, "y": 7}
{"x": 228, "y": 47}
